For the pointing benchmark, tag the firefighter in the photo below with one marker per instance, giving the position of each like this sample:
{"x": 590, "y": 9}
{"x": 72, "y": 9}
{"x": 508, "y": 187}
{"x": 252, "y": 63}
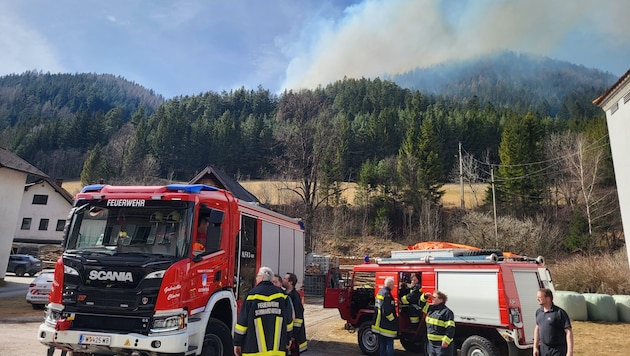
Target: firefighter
{"x": 410, "y": 301}
{"x": 385, "y": 319}
{"x": 265, "y": 324}
{"x": 298, "y": 343}
{"x": 440, "y": 322}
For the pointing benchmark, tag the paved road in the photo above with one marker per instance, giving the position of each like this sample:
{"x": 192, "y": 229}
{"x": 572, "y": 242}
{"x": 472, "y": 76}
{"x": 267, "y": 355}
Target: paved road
{"x": 324, "y": 331}
{"x": 15, "y": 286}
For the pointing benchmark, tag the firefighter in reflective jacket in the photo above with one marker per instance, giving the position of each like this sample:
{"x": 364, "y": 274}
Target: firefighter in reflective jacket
{"x": 412, "y": 299}
{"x": 440, "y": 322}
{"x": 385, "y": 319}
{"x": 265, "y": 321}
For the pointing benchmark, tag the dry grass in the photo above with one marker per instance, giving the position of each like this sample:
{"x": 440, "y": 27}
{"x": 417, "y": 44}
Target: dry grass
{"x": 607, "y": 274}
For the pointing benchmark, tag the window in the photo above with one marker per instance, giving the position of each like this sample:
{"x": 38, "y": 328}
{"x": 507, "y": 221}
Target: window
{"x": 43, "y": 224}
{"x": 40, "y": 199}
{"x": 26, "y": 224}
{"x": 60, "y": 225}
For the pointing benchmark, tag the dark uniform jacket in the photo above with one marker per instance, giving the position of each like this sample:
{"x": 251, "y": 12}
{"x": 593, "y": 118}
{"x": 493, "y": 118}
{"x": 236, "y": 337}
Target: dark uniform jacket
{"x": 265, "y": 321}
{"x": 410, "y": 301}
{"x": 385, "y": 319}
{"x": 440, "y": 324}
{"x": 299, "y": 331}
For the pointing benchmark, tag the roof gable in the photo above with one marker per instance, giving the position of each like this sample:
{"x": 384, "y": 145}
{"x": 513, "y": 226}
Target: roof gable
{"x": 216, "y": 178}
{"x": 11, "y": 161}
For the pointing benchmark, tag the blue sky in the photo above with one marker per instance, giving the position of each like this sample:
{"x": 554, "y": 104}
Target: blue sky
{"x": 187, "y": 47}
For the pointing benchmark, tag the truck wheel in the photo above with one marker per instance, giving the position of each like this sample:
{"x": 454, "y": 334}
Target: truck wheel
{"x": 479, "y": 346}
{"x": 368, "y": 340}
{"x": 218, "y": 339}
{"x": 413, "y": 344}
{"x": 19, "y": 271}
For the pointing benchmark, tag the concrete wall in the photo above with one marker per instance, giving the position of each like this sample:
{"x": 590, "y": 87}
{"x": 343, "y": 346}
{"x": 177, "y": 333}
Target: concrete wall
{"x": 617, "y": 110}
{"x": 11, "y": 189}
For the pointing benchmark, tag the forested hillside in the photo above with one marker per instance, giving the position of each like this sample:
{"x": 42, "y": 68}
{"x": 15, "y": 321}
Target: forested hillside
{"x": 520, "y": 82}
{"x": 525, "y": 127}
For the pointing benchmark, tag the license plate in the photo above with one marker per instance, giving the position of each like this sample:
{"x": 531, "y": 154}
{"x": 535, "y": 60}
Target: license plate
{"x": 94, "y": 339}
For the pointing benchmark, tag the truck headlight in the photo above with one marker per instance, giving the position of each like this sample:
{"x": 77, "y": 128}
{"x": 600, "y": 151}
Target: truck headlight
{"x": 52, "y": 314}
{"x": 166, "y": 323}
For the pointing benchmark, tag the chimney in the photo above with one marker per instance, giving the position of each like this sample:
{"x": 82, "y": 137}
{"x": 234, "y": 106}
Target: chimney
{"x": 59, "y": 181}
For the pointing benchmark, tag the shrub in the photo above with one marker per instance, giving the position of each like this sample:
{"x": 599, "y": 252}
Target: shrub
{"x": 603, "y": 273}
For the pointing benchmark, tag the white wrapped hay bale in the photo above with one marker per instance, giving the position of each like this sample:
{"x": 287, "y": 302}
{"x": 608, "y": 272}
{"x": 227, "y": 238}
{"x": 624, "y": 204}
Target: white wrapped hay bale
{"x": 573, "y": 303}
{"x": 623, "y": 307}
{"x": 600, "y": 307}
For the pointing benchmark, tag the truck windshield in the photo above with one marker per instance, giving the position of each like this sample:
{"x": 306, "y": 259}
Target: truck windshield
{"x": 161, "y": 228}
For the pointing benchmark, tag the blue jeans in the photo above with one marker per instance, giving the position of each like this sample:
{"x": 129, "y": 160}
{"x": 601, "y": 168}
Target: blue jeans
{"x": 386, "y": 345}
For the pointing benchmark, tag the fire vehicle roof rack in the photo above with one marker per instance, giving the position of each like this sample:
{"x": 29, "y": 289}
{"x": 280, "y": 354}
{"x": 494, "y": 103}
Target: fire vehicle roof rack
{"x": 428, "y": 259}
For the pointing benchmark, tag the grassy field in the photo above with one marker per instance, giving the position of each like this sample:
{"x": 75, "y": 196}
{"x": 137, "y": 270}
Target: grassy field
{"x": 277, "y": 192}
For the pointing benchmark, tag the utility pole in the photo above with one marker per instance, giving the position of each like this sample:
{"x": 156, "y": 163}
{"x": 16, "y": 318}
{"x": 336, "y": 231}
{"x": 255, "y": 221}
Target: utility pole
{"x": 494, "y": 207}
{"x": 461, "y": 177}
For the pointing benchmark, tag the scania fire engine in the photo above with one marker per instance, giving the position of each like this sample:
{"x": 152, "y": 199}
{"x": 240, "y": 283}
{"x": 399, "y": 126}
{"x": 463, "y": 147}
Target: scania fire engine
{"x": 491, "y": 293}
{"x": 137, "y": 278}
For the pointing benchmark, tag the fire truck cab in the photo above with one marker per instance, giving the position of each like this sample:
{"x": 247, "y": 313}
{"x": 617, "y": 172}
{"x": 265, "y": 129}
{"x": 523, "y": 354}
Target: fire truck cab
{"x": 137, "y": 277}
{"x": 492, "y": 295}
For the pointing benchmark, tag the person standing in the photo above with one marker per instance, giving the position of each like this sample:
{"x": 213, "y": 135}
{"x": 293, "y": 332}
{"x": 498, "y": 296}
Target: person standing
{"x": 385, "y": 322}
{"x": 553, "y": 335}
{"x": 411, "y": 299}
{"x": 440, "y": 322}
{"x": 299, "y": 343}
{"x": 264, "y": 325}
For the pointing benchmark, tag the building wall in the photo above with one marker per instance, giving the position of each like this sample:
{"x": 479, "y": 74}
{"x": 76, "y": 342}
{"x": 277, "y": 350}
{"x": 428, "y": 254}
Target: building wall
{"x": 55, "y": 210}
{"x": 617, "y": 110}
{"x": 11, "y": 189}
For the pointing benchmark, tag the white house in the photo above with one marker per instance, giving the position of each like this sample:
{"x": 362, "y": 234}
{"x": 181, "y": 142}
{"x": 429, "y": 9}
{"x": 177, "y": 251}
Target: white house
{"x": 13, "y": 173}
{"x": 616, "y": 104}
{"x": 43, "y": 212}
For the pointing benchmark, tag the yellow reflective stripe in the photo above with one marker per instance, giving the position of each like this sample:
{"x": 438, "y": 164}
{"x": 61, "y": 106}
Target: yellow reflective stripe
{"x": 438, "y": 322}
{"x": 277, "y": 333}
{"x": 436, "y": 337}
{"x": 390, "y": 317}
{"x": 414, "y": 319}
{"x": 425, "y": 308}
{"x": 260, "y": 334}
{"x": 297, "y": 322}
{"x": 290, "y": 326}
{"x": 378, "y": 296}
{"x": 404, "y": 300}
{"x": 240, "y": 329}
{"x": 422, "y": 298}
{"x": 303, "y": 346}
{"x": 266, "y": 298}
{"x": 386, "y": 332}
{"x": 267, "y": 353}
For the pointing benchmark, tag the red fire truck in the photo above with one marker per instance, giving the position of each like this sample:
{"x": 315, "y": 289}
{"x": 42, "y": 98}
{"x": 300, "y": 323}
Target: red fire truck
{"x": 492, "y": 294}
{"x": 135, "y": 280}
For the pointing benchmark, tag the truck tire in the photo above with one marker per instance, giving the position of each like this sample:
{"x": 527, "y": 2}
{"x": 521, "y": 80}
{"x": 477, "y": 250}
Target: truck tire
{"x": 484, "y": 252}
{"x": 479, "y": 346}
{"x": 19, "y": 271}
{"x": 218, "y": 339}
{"x": 368, "y": 340}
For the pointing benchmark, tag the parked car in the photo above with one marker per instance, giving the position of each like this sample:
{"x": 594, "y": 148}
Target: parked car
{"x": 39, "y": 289}
{"x": 24, "y": 264}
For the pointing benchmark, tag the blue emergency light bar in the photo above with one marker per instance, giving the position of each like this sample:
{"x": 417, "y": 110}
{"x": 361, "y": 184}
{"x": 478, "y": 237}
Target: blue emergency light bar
{"x": 190, "y": 188}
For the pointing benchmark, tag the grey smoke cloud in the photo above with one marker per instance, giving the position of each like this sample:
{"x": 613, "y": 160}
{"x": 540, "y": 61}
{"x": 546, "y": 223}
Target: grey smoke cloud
{"x": 378, "y": 37}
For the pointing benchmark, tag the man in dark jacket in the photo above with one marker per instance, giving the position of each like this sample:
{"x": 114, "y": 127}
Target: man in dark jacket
{"x": 265, "y": 324}
{"x": 440, "y": 322}
{"x": 385, "y": 319}
{"x": 299, "y": 343}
